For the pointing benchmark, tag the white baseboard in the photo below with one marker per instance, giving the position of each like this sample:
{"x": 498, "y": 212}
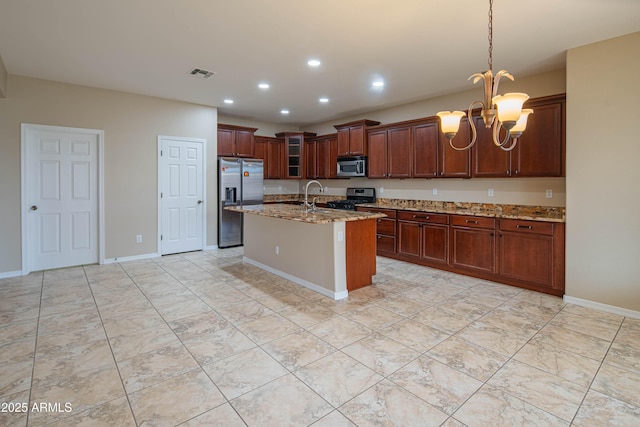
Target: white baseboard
{"x": 7, "y": 274}
{"x": 211, "y": 247}
{"x": 604, "y": 307}
{"x": 299, "y": 281}
{"x": 131, "y": 258}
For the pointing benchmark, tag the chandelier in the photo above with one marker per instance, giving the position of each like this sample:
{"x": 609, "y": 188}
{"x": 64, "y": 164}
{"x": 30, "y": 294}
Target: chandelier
{"x": 501, "y": 111}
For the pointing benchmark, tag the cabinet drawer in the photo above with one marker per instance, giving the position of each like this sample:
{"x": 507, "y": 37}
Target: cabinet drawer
{"x": 535, "y": 227}
{"x": 423, "y": 217}
{"x": 386, "y": 243}
{"x": 386, "y": 226}
{"x": 390, "y": 213}
{"x": 473, "y": 221}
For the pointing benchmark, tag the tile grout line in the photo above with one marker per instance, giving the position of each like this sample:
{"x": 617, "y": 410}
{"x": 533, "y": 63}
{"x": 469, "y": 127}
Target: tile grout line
{"x": 35, "y": 349}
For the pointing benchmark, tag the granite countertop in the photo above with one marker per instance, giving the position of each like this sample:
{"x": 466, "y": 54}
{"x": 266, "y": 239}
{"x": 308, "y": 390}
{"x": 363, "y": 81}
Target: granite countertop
{"x": 296, "y": 213}
{"x": 523, "y": 212}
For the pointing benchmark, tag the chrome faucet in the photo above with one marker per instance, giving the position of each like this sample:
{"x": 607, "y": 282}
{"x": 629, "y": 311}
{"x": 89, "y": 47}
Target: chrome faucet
{"x": 310, "y": 206}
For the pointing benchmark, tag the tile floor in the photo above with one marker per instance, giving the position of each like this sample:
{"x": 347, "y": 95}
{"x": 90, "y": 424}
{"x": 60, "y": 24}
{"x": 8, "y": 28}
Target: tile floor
{"x": 204, "y": 339}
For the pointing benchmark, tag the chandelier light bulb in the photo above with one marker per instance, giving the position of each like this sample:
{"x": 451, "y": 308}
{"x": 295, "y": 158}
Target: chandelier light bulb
{"x": 450, "y": 122}
{"x": 509, "y": 107}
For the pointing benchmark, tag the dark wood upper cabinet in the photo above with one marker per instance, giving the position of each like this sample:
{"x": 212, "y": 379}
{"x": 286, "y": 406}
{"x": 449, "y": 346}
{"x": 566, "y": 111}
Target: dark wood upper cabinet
{"x": 540, "y": 150}
{"x": 453, "y": 163}
{"x": 235, "y": 141}
{"x": 389, "y": 152}
{"x": 321, "y": 158}
{"x": 352, "y": 137}
{"x": 425, "y": 149}
{"x": 270, "y": 150}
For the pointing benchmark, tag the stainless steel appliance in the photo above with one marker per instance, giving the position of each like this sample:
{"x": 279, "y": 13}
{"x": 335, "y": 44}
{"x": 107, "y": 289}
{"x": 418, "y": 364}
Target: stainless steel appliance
{"x": 354, "y": 197}
{"x": 352, "y": 166}
{"x": 240, "y": 183}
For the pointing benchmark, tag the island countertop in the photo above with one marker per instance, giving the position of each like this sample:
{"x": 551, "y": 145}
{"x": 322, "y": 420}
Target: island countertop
{"x": 296, "y": 213}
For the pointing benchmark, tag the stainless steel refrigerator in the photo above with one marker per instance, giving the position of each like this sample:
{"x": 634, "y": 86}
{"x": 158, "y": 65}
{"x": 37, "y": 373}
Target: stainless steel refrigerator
{"x": 240, "y": 182}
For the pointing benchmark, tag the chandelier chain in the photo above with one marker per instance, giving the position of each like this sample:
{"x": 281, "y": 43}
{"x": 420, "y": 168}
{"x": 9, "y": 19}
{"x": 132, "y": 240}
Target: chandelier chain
{"x": 491, "y": 35}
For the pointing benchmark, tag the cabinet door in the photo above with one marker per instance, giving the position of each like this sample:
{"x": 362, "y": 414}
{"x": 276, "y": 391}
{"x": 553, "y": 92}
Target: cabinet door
{"x": 455, "y": 164}
{"x": 425, "y": 150}
{"x": 225, "y": 142}
{"x": 273, "y": 169}
{"x": 435, "y": 242}
{"x": 526, "y": 257}
{"x": 343, "y": 142}
{"x": 399, "y": 153}
{"x": 356, "y": 141}
{"x": 244, "y": 143}
{"x": 473, "y": 249}
{"x": 260, "y": 152}
{"x": 540, "y": 149}
{"x": 311, "y": 159}
{"x": 488, "y": 159}
{"x": 409, "y": 238}
{"x": 377, "y": 159}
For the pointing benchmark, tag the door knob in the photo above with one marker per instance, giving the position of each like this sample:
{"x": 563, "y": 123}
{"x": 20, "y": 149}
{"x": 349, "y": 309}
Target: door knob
{"x": 34, "y": 208}
{"x": 199, "y": 202}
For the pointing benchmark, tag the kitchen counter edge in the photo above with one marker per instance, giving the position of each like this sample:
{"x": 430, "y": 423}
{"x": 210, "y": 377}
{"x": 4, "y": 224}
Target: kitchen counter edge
{"x": 295, "y": 213}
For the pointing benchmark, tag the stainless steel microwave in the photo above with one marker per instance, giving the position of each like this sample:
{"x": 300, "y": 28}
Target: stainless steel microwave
{"x": 352, "y": 166}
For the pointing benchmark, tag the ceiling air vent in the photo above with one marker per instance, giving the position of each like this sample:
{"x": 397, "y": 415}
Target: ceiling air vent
{"x": 199, "y": 72}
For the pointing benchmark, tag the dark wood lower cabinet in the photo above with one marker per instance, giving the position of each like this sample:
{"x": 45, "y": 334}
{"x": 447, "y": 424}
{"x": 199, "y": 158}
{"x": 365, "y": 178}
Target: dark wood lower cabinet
{"x": 527, "y": 254}
{"x": 473, "y": 243}
{"x": 532, "y": 252}
{"x": 423, "y": 236}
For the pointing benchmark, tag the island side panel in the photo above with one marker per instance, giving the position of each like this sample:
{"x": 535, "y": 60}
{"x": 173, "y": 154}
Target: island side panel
{"x": 361, "y": 253}
{"x": 308, "y": 252}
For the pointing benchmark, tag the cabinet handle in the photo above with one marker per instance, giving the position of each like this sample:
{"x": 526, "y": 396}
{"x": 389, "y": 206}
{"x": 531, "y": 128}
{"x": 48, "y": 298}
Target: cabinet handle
{"x": 470, "y": 221}
{"x": 517, "y": 172}
{"x": 421, "y": 216}
{"x": 528, "y": 227}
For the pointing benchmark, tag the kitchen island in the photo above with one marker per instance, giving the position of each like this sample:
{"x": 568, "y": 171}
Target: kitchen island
{"x": 329, "y": 251}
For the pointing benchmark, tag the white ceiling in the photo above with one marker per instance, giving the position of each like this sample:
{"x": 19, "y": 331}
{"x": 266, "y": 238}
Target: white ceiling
{"x": 422, "y": 48}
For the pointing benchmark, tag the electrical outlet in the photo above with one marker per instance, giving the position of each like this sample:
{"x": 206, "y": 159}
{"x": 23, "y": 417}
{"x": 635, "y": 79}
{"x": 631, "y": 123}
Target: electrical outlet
{"x": 549, "y": 194}
{"x": 277, "y": 250}
{"x": 139, "y": 238}
{"x": 381, "y": 190}
{"x": 435, "y": 191}
{"x": 490, "y": 192}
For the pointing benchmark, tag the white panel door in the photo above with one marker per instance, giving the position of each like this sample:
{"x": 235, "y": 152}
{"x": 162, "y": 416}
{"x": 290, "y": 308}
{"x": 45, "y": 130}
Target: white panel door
{"x": 62, "y": 197}
{"x": 181, "y": 195}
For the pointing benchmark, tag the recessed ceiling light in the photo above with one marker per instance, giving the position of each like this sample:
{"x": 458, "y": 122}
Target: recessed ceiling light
{"x": 377, "y": 83}
{"x": 313, "y": 63}
{"x": 285, "y": 112}
{"x": 263, "y": 85}
{"x": 228, "y": 101}
{"x": 323, "y": 100}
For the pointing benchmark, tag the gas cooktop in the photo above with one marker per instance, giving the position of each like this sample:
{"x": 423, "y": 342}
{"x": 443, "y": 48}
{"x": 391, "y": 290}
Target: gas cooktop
{"x": 354, "y": 196}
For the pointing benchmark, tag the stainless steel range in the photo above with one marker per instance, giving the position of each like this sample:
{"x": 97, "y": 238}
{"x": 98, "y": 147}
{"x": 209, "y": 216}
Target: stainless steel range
{"x": 354, "y": 197}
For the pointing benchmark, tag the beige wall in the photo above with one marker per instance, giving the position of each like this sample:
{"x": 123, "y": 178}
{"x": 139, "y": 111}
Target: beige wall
{"x": 132, "y": 124}
{"x": 3, "y": 79}
{"x": 603, "y": 176}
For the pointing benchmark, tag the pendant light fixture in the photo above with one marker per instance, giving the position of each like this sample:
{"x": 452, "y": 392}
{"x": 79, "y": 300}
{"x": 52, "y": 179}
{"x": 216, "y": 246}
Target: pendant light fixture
{"x": 501, "y": 111}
